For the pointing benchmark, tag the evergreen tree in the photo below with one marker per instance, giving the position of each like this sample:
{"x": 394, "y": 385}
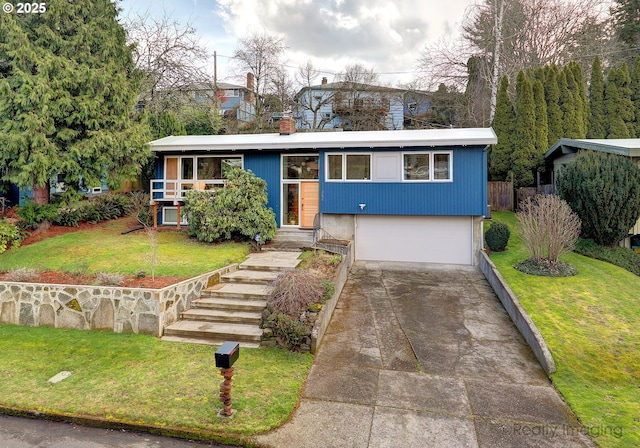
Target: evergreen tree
{"x": 504, "y": 127}
{"x": 604, "y": 191}
{"x": 580, "y": 96}
{"x": 164, "y": 124}
{"x": 626, "y": 24}
{"x": 618, "y": 105}
{"x": 68, "y": 88}
{"x": 635, "y": 96}
{"x": 541, "y": 126}
{"x": 524, "y": 159}
{"x": 568, "y": 105}
{"x": 552, "y": 97}
{"x": 597, "y": 119}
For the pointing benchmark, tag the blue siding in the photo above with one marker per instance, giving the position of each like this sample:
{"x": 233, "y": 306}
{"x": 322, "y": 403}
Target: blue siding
{"x": 466, "y": 195}
{"x": 266, "y": 165}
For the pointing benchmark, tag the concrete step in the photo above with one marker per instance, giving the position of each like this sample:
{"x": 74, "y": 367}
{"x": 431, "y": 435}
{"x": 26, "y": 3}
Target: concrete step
{"x": 230, "y": 316}
{"x": 230, "y": 304}
{"x": 275, "y": 263}
{"x": 214, "y": 331}
{"x": 252, "y": 277}
{"x": 216, "y": 342}
{"x": 236, "y": 291}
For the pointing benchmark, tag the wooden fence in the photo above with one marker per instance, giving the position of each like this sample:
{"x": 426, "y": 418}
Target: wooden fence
{"x": 501, "y": 195}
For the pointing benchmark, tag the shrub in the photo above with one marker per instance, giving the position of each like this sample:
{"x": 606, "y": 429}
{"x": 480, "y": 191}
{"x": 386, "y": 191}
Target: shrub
{"x": 294, "y": 291}
{"x": 22, "y": 275}
{"x": 110, "y": 206}
{"x": 239, "y": 209}
{"x": 497, "y": 236}
{"x": 604, "y": 190}
{"x": 9, "y": 235}
{"x": 619, "y": 256}
{"x": 33, "y": 214}
{"x": 290, "y": 329}
{"x": 329, "y": 289}
{"x": 107, "y": 279}
{"x": 548, "y": 227}
{"x": 67, "y": 216}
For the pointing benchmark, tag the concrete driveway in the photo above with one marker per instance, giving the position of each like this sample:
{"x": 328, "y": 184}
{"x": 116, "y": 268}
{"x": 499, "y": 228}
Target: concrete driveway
{"x": 423, "y": 355}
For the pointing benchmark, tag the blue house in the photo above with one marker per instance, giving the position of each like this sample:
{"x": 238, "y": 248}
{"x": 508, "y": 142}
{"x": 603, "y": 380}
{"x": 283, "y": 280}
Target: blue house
{"x": 417, "y": 195}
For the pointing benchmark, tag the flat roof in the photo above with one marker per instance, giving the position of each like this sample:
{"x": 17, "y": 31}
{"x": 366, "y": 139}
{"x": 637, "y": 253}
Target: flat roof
{"x": 629, "y": 147}
{"x": 329, "y": 140}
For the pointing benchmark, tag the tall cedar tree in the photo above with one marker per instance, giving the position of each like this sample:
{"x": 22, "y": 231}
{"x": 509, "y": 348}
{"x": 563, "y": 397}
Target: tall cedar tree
{"x": 580, "y": 95}
{"x": 604, "y": 191}
{"x": 68, "y": 87}
{"x": 597, "y": 118}
{"x": 568, "y": 104}
{"x": 523, "y": 159}
{"x": 635, "y": 96}
{"x": 504, "y": 127}
{"x": 618, "y": 105}
{"x": 626, "y": 24}
{"x": 541, "y": 127}
{"x": 552, "y": 96}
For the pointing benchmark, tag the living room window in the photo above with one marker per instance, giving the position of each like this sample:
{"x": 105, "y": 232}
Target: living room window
{"x": 349, "y": 167}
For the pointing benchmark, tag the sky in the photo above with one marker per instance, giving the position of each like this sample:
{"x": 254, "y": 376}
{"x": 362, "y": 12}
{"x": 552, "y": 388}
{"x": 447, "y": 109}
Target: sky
{"x": 387, "y": 36}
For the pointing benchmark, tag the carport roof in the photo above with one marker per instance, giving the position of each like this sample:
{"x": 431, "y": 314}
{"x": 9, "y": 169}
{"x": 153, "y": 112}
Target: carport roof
{"x": 329, "y": 140}
{"x": 629, "y": 147}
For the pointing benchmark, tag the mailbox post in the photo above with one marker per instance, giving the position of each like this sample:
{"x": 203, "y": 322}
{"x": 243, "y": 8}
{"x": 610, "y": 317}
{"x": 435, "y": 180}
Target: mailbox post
{"x": 226, "y": 356}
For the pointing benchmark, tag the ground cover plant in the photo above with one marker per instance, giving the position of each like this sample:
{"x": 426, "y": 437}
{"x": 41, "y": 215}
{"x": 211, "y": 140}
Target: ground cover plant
{"x": 103, "y": 248}
{"x": 590, "y": 322}
{"x": 142, "y": 380}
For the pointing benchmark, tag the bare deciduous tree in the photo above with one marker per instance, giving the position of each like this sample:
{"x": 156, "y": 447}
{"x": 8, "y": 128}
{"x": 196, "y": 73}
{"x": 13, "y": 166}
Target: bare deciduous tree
{"x": 171, "y": 57}
{"x": 548, "y": 226}
{"x": 312, "y": 100}
{"x": 260, "y": 54}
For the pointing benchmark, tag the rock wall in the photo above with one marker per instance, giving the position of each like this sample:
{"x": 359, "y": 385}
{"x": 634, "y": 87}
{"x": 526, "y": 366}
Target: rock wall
{"x": 85, "y": 307}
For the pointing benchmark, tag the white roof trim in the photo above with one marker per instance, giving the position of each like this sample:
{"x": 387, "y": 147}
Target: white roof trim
{"x": 329, "y": 140}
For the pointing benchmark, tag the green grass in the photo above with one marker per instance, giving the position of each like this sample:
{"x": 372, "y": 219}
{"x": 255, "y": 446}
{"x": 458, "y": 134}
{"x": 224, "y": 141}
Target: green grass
{"x": 591, "y": 323}
{"x": 105, "y": 249}
{"x": 142, "y": 380}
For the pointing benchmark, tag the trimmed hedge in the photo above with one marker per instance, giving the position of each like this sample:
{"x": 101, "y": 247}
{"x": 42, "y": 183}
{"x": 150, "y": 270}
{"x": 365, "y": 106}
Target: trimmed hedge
{"x": 619, "y": 256}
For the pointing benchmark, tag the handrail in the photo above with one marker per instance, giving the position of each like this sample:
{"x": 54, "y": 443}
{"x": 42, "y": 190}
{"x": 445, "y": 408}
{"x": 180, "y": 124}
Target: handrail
{"x": 177, "y": 189}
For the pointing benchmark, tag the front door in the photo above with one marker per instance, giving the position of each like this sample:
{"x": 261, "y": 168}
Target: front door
{"x": 309, "y": 202}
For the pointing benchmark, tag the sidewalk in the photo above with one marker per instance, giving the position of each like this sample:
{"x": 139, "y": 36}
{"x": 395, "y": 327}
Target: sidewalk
{"x": 425, "y": 356}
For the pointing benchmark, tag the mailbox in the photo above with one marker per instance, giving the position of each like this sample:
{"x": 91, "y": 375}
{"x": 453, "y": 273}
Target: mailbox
{"x": 227, "y": 354}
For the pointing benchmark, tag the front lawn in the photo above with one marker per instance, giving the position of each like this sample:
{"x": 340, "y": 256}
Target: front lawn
{"x": 104, "y": 249}
{"x": 141, "y": 380}
{"x": 591, "y": 323}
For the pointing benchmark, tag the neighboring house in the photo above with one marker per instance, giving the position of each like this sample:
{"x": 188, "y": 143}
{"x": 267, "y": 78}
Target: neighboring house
{"x": 565, "y": 149}
{"x": 234, "y": 101}
{"x": 14, "y": 195}
{"x": 417, "y": 195}
{"x": 352, "y": 106}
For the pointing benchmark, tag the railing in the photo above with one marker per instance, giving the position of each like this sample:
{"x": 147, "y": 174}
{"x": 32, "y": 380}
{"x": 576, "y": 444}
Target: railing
{"x": 175, "y": 190}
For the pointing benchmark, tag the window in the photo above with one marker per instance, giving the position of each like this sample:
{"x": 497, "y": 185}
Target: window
{"x": 334, "y": 167}
{"x": 187, "y": 168}
{"x": 427, "y": 166}
{"x": 208, "y": 167}
{"x": 300, "y": 167}
{"x": 349, "y": 166}
{"x": 358, "y": 167}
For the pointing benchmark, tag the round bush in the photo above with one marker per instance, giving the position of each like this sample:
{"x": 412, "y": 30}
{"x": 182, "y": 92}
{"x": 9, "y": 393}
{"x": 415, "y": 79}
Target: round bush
{"x": 497, "y": 236}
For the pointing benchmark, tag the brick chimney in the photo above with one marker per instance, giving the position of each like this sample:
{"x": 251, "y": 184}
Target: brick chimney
{"x": 250, "y": 98}
{"x": 324, "y": 80}
{"x": 287, "y": 125}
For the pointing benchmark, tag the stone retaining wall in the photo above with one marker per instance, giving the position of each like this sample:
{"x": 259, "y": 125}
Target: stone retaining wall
{"x": 517, "y": 313}
{"x": 85, "y": 307}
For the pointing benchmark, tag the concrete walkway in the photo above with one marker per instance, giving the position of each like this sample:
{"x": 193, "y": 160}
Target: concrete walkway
{"x": 425, "y": 356}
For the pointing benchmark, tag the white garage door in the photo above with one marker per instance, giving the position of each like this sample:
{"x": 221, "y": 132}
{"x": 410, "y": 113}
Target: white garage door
{"x": 431, "y": 239}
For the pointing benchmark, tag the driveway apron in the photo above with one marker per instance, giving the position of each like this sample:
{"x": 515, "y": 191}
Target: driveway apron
{"x": 423, "y": 355}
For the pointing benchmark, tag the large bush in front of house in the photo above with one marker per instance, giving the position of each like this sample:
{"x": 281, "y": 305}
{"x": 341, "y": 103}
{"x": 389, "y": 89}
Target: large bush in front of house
{"x": 237, "y": 210}
{"x": 604, "y": 191}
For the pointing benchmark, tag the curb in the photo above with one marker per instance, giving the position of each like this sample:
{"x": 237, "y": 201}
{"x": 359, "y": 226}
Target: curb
{"x": 98, "y": 422}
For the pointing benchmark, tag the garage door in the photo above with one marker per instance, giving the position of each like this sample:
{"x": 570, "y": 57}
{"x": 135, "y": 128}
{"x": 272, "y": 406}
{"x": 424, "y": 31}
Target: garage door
{"x": 431, "y": 239}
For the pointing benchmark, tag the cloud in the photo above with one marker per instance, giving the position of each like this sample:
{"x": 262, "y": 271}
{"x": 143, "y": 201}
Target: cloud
{"x": 387, "y": 36}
